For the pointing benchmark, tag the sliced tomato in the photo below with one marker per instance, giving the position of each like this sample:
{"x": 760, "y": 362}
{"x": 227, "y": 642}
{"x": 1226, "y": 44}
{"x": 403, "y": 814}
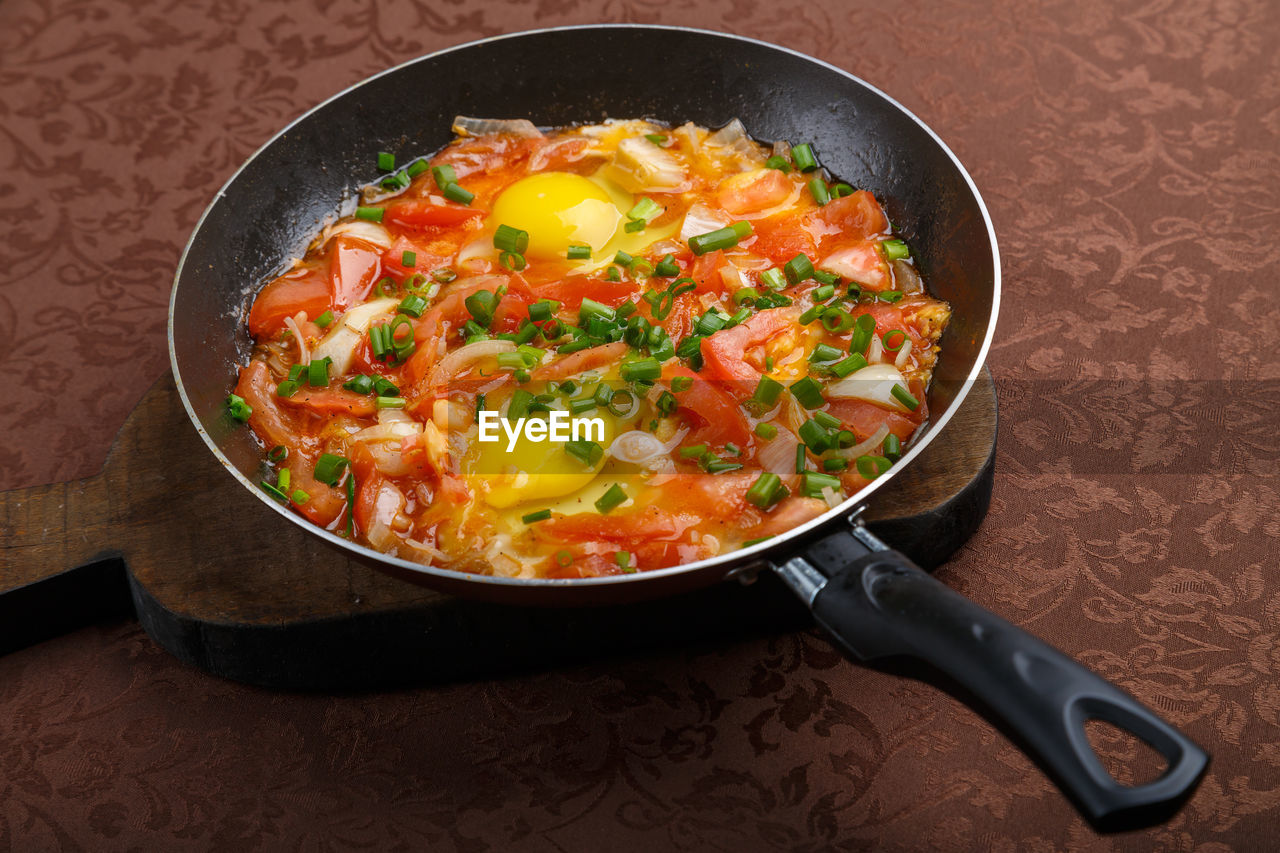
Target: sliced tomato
{"x": 781, "y": 237}
{"x": 354, "y": 266}
{"x": 272, "y": 424}
{"x": 583, "y": 360}
{"x": 864, "y": 418}
{"x": 305, "y": 288}
{"x": 570, "y": 290}
{"x": 332, "y": 401}
{"x": 725, "y": 351}
{"x": 860, "y": 261}
{"x": 705, "y": 272}
{"x": 644, "y": 524}
{"x": 721, "y": 419}
{"x": 858, "y": 214}
{"x": 751, "y": 192}
{"x": 423, "y": 214}
{"x": 452, "y": 308}
{"x": 324, "y": 503}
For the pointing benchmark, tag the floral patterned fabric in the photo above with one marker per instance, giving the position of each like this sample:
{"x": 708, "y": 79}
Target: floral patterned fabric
{"x": 1130, "y": 154}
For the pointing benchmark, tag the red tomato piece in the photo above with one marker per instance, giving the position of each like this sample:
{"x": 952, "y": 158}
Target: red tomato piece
{"x": 354, "y": 266}
{"x": 751, "y": 192}
{"x": 856, "y": 214}
{"x": 582, "y": 360}
{"x": 305, "y": 288}
{"x": 724, "y": 352}
{"x": 721, "y": 418}
{"x": 332, "y": 401}
{"x": 422, "y": 214}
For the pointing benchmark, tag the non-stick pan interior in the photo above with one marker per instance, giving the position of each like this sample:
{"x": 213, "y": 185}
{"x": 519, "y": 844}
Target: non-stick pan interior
{"x": 269, "y": 211}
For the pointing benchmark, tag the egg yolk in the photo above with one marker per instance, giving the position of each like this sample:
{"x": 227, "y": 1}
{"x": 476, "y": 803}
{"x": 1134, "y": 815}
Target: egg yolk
{"x": 558, "y": 209}
{"x": 532, "y": 470}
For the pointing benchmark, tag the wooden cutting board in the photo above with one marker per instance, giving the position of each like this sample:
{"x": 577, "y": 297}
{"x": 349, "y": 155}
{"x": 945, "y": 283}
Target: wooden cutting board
{"x": 224, "y": 584}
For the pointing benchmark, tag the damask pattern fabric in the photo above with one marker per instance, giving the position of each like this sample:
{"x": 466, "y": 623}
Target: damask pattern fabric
{"x": 1130, "y": 155}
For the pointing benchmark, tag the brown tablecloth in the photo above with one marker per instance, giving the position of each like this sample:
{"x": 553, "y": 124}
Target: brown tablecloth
{"x": 1129, "y": 156}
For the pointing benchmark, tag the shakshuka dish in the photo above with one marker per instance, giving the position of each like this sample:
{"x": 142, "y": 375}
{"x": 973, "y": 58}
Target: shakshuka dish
{"x": 589, "y": 351}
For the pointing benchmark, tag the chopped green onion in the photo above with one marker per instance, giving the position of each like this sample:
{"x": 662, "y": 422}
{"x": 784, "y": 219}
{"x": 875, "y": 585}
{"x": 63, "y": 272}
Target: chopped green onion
{"x": 540, "y": 515}
{"x": 626, "y": 407}
{"x": 890, "y": 296}
{"x": 633, "y": 225}
{"x": 384, "y": 387}
{"x": 299, "y": 496}
{"x": 778, "y": 162}
{"x": 416, "y": 168}
{"x": 481, "y": 305}
{"x": 274, "y": 492}
{"x": 667, "y": 403}
{"x": 815, "y": 435}
{"x": 386, "y": 161}
{"x": 390, "y": 402}
{"x": 508, "y": 239}
{"x": 825, "y": 277}
{"x": 767, "y": 490}
{"x": 564, "y": 558}
{"x": 693, "y": 451}
{"x": 870, "y": 467}
{"x": 413, "y": 305}
{"x": 582, "y": 404}
{"x": 812, "y": 483}
{"x": 721, "y": 238}
{"x": 710, "y": 322}
{"x": 825, "y": 352}
{"x": 818, "y": 189}
{"x": 329, "y": 468}
{"x": 646, "y": 209}
{"x": 808, "y": 392}
{"x": 827, "y": 419}
{"x": 897, "y": 341}
{"x": 863, "y": 328}
{"x": 766, "y": 431}
{"x": 823, "y": 292}
{"x": 895, "y": 249}
{"x": 623, "y": 559}
{"x": 892, "y": 447}
{"x": 287, "y": 388}
{"x": 745, "y": 296}
{"x": 849, "y": 365}
{"x": 681, "y": 383}
{"x": 444, "y": 175}
{"x": 238, "y": 408}
{"x": 903, "y": 396}
{"x": 842, "y": 190}
{"x": 369, "y": 214}
{"x": 611, "y": 499}
{"x": 800, "y": 458}
{"x": 798, "y": 269}
{"x": 612, "y": 274}
{"x": 767, "y": 392}
{"x": 641, "y": 267}
{"x": 324, "y": 319}
{"x": 586, "y": 452}
{"x": 519, "y": 406}
{"x": 409, "y": 259}
{"x": 295, "y": 372}
{"x": 351, "y": 505}
{"x": 667, "y": 267}
{"x": 590, "y": 309}
{"x": 455, "y": 192}
{"x": 400, "y": 337}
{"x": 512, "y": 260}
{"x": 318, "y": 373}
{"x": 812, "y": 313}
{"x": 844, "y": 438}
{"x": 713, "y": 465}
{"x": 541, "y": 311}
{"x": 641, "y": 369}
{"x": 836, "y": 320}
{"x": 739, "y": 317}
{"x": 444, "y": 275}
{"x": 655, "y": 138}
{"x": 802, "y": 156}
{"x": 279, "y": 453}
{"x": 623, "y": 259}
{"x": 578, "y": 253}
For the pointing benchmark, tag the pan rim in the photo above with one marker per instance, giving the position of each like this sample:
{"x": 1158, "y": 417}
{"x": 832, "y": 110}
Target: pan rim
{"x": 758, "y": 554}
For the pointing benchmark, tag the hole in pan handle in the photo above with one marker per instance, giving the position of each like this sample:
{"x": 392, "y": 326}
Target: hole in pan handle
{"x": 877, "y": 604}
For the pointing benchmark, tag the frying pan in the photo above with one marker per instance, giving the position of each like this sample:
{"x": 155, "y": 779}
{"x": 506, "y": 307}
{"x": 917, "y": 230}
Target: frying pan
{"x": 871, "y": 599}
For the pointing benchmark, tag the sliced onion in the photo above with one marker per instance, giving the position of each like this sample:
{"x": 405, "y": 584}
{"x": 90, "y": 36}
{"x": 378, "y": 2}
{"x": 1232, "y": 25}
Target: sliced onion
{"x": 782, "y": 148}
{"x": 829, "y": 495}
{"x": 466, "y": 357}
{"x": 479, "y": 248}
{"x": 469, "y": 126}
{"x": 873, "y": 383}
{"x": 640, "y": 166}
{"x": 304, "y": 355}
{"x": 904, "y": 355}
{"x": 636, "y": 447}
{"x": 700, "y": 219}
{"x": 370, "y": 232}
{"x": 732, "y": 142}
{"x": 875, "y": 352}
{"x": 346, "y": 335}
{"x": 906, "y": 278}
{"x": 779, "y": 453}
{"x": 395, "y": 416}
{"x": 871, "y": 444}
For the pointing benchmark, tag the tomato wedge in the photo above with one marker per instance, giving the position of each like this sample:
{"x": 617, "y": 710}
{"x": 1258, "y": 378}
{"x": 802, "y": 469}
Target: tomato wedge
{"x": 332, "y": 401}
{"x": 858, "y": 213}
{"x": 305, "y": 288}
{"x": 583, "y": 360}
{"x": 725, "y": 351}
{"x": 754, "y": 191}
{"x": 422, "y": 214}
{"x": 722, "y": 420}
{"x": 354, "y": 266}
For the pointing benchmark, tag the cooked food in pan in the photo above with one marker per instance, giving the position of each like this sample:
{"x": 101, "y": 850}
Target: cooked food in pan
{"x": 589, "y": 351}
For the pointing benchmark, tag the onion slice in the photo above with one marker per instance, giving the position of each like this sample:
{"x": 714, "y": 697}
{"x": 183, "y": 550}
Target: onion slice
{"x": 465, "y": 357}
{"x": 470, "y": 126}
{"x": 863, "y": 448}
{"x": 873, "y": 383}
{"x": 304, "y": 355}
{"x": 346, "y": 335}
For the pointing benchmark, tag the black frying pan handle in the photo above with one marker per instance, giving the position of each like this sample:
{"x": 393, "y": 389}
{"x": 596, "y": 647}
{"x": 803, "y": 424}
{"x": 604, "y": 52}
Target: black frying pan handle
{"x": 877, "y": 603}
